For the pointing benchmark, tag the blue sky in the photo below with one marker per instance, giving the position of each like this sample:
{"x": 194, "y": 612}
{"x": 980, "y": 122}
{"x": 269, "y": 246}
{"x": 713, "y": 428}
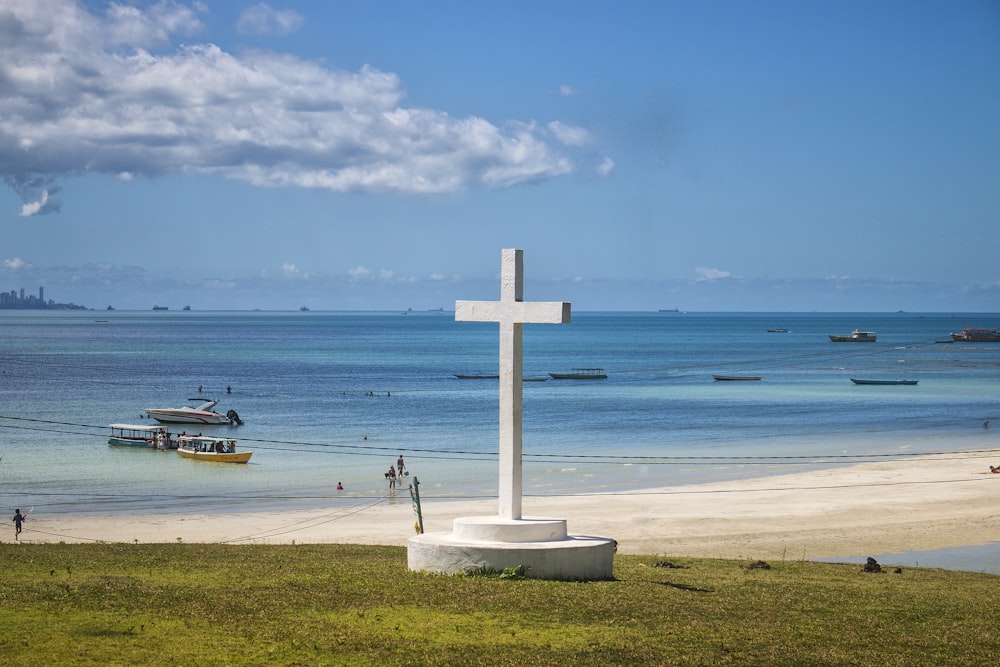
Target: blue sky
{"x": 718, "y": 155}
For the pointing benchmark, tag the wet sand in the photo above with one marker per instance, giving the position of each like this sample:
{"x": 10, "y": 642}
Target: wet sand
{"x": 925, "y": 503}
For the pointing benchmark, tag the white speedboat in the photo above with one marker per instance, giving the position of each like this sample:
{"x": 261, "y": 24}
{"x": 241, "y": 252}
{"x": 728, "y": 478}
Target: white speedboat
{"x": 202, "y": 414}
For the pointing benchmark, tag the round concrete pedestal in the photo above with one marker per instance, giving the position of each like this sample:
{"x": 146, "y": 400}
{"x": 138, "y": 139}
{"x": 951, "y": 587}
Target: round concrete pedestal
{"x": 542, "y": 546}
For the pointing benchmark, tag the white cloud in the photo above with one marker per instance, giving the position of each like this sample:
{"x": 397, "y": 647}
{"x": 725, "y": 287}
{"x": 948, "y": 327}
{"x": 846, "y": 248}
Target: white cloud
{"x": 31, "y": 208}
{"x": 703, "y": 274}
{"x": 45, "y": 203}
{"x": 359, "y": 273}
{"x": 606, "y": 167}
{"x": 16, "y": 264}
{"x": 262, "y": 19}
{"x": 567, "y": 90}
{"x": 568, "y": 134}
{"x": 290, "y": 271}
{"x": 36, "y": 191}
{"x": 85, "y": 93}
{"x": 152, "y": 28}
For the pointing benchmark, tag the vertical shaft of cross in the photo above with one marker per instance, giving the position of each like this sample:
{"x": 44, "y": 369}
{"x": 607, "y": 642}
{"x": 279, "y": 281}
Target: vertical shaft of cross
{"x": 511, "y": 313}
{"x": 511, "y": 386}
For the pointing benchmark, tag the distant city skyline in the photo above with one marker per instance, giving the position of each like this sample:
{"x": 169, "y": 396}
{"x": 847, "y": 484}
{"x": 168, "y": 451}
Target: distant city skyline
{"x": 725, "y": 156}
{"x": 20, "y": 300}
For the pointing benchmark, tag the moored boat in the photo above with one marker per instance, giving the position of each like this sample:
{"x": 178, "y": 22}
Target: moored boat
{"x": 207, "y": 448}
{"x": 977, "y": 335}
{"x": 778, "y": 330}
{"x": 202, "y": 414}
{"x": 859, "y": 381}
{"x": 140, "y": 435}
{"x": 735, "y": 378}
{"x": 855, "y": 336}
{"x": 581, "y": 374}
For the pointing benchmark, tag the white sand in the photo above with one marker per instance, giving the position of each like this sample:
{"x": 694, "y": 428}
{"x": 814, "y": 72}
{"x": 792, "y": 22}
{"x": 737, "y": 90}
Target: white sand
{"x": 926, "y": 503}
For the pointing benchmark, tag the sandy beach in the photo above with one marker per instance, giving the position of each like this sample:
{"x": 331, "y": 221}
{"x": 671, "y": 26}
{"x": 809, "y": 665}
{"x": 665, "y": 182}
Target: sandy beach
{"x": 925, "y": 503}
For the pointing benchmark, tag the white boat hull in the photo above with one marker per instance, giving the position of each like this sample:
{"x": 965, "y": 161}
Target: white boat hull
{"x": 181, "y": 416}
{"x": 203, "y": 414}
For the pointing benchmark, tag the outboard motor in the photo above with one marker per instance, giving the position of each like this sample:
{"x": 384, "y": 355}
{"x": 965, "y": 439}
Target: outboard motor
{"x": 235, "y": 418}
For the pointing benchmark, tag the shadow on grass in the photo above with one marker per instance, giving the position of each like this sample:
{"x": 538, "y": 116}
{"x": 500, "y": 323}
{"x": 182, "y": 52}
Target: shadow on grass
{"x": 684, "y": 587}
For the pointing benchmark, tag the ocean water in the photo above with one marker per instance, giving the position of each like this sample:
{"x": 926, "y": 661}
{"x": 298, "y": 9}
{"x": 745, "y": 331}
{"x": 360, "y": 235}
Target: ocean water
{"x": 336, "y": 397}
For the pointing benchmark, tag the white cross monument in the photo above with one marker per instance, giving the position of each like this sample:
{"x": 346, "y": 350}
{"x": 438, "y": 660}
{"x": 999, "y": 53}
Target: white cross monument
{"x": 541, "y": 545}
{"x": 512, "y": 312}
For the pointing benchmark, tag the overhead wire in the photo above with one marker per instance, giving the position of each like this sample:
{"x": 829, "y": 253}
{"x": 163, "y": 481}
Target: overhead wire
{"x": 472, "y": 455}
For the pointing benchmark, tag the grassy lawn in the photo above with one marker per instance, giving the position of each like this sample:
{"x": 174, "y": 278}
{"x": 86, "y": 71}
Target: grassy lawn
{"x": 118, "y": 604}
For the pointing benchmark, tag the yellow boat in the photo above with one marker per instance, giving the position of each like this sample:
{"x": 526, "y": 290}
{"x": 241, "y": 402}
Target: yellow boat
{"x": 207, "y": 448}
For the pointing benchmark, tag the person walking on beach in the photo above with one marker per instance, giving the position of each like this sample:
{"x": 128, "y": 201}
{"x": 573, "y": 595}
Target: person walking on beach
{"x": 391, "y": 476}
{"x": 399, "y": 464}
{"x": 18, "y": 520}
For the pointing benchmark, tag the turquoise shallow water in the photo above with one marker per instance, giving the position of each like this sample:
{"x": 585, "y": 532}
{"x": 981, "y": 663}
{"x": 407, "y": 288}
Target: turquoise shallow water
{"x": 331, "y": 397}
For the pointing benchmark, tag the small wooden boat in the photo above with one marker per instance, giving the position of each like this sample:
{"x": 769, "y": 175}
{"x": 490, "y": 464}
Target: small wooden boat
{"x": 135, "y": 435}
{"x": 581, "y": 374}
{"x": 857, "y": 381}
{"x": 732, "y": 378}
{"x": 207, "y": 448}
{"x": 855, "y": 336}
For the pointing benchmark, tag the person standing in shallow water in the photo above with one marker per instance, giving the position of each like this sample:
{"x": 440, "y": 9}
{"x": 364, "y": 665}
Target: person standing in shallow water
{"x": 18, "y": 520}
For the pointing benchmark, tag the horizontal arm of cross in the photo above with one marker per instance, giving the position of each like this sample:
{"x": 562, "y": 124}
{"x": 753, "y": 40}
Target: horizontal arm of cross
{"x": 518, "y": 312}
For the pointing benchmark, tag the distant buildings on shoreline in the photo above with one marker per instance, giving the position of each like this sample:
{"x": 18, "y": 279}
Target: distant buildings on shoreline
{"x": 14, "y": 300}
